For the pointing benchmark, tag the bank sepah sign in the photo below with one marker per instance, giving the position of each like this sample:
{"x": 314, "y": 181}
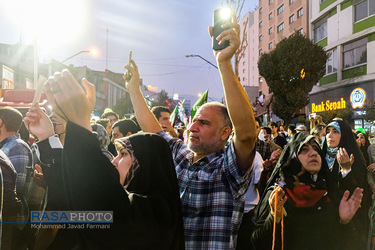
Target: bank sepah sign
{"x": 357, "y": 99}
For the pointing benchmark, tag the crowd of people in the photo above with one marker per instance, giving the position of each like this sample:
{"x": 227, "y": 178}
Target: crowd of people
{"x": 233, "y": 184}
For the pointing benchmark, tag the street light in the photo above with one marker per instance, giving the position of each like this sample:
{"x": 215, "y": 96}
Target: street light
{"x": 202, "y": 59}
{"x": 76, "y": 54}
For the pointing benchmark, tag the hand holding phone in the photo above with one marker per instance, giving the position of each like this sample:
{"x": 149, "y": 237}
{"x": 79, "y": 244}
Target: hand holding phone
{"x": 127, "y": 75}
{"x": 221, "y": 16}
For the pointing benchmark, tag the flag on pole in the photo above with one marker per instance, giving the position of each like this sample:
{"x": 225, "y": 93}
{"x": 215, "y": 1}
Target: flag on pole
{"x": 181, "y": 112}
{"x": 172, "y": 118}
{"x": 202, "y": 100}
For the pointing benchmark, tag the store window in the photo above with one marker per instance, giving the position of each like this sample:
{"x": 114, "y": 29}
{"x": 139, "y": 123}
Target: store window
{"x": 320, "y": 30}
{"x": 363, "y": 9}
{"x": 332, "y": 62}
{"x": 357, "y": 123}
{"x": 355, "y": 53}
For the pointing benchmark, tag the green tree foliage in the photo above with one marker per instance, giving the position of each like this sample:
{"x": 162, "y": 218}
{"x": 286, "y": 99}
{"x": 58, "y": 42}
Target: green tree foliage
{"x": 345, "y": 114}
{"x": 291, "y": 70}
{"x": 370, "y": 112}
{"x": 123, "y": 106}
{"x": 161, "y": 99}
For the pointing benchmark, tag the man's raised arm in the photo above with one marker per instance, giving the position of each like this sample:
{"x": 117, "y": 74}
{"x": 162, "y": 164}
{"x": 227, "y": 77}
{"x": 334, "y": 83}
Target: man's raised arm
{"x": 145, "y": 117}
{"x": 239, "y": 107}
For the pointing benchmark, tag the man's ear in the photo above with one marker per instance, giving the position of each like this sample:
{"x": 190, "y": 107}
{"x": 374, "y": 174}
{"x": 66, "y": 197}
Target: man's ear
{"x": 1, "y": 123}
{"x": 225, "y": 132}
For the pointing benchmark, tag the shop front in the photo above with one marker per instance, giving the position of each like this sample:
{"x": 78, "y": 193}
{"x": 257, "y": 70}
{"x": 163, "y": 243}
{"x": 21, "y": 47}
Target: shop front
{"x": 345, "y": 98}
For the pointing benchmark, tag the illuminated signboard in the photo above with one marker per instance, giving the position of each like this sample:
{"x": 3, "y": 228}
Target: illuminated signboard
{"x": 358, "y": 98}
{"x": 328, "y": 105}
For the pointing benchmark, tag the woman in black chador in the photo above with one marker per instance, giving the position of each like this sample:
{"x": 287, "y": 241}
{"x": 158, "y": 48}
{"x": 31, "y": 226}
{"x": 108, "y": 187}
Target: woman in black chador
{"x": 303, "y": 192}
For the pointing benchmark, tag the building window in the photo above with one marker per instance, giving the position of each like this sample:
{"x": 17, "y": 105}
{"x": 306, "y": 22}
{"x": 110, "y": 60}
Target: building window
{"x": 322, "y": 1}
{"x": 260, "y": 52}
{"x": 270, "y": 46}
{"x": 300, "y": 31}
{"x": 280, "y": 27}
{"x": 243, "y": 71}
{"x": 243, "y": 63}
{"x": 270, "y": 16}
{"x": 291, "y": 1}
{"x": 299, "y": 12}
{"x": 260, "y": 10}
{"x": 280, "y": 9}
{"x": 355, "y": 53}
{"x": 270, "y": 1}
{"x": 320, "y": 30}
{"x": 332, "y": 62}
{"x": 260, "y": 80}
{"x": 243, "y": 79}
{"x": 260, "y": 38}
{"x": 260, "y": 24}
{"x": 291, "y": 19}
{"x": 363, "y": 9}
{"x": 270, "y": 31}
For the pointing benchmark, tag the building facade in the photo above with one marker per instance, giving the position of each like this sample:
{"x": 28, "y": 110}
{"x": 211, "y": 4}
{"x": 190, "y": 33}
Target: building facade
{"x": 346, "y": 30}
{"x": 278, "y": 19}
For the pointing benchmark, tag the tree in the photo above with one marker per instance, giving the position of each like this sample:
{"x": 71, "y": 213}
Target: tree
{"x": 370, "y": 112}
{"x": 291, "y": 70}
{"x": 345, "y": 114}
{"x": 162, "y": 99}
{"x": 123, "y": 106}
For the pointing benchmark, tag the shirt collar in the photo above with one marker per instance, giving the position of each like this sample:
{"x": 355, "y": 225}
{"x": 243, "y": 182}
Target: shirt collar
{"x": 9, "y": 139}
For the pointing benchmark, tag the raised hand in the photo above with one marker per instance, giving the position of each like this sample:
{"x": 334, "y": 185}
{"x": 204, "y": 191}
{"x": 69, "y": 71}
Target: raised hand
{"x": 133, "y": 83}
{"x": 69, "y": 100}
{"x": 344, "y": 160}
{"x": 348, "y": 208}
{"x": 231, "y": 34}
{"x": 38, "y": 123}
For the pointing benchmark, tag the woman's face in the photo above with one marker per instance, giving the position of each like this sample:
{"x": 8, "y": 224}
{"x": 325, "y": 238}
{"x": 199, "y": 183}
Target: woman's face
{"x": 310, "y": 158}
{"x": 333, "y": 137}
{"x": 122, "y": 162}
{"x": 362, "y": 138}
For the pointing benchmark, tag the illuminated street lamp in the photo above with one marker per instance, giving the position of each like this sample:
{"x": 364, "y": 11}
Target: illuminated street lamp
{"x": 202, "y": 59}
{"x": 76, "y": 54}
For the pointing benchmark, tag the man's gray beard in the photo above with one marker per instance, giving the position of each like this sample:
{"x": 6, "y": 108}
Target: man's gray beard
{"x": 204, "y": 148}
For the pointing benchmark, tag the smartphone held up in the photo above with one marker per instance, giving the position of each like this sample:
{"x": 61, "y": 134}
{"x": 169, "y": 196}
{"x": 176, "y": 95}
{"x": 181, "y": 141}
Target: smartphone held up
{"x": 221, "y": 16}
{"x": 127, "y": 75}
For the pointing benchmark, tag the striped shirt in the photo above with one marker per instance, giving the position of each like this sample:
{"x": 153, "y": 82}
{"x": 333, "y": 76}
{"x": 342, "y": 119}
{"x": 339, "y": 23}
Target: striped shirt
{"x": 212, "y": 192}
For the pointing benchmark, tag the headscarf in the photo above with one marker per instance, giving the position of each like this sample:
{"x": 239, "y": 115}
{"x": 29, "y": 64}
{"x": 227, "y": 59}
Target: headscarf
{"x": 358, "y": 168}
{"x": 289, "y": 166}
{"x": 103, "y": 139}
{"x": 125, "y": 143}
{"x": 332, "y": 152}
{"x": 364, "y": 148}
{"x": 147, "y": 214}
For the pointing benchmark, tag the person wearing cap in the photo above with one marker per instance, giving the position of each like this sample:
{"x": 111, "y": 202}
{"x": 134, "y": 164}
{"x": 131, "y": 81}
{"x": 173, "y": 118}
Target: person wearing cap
{"x": 301, "y": 128}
